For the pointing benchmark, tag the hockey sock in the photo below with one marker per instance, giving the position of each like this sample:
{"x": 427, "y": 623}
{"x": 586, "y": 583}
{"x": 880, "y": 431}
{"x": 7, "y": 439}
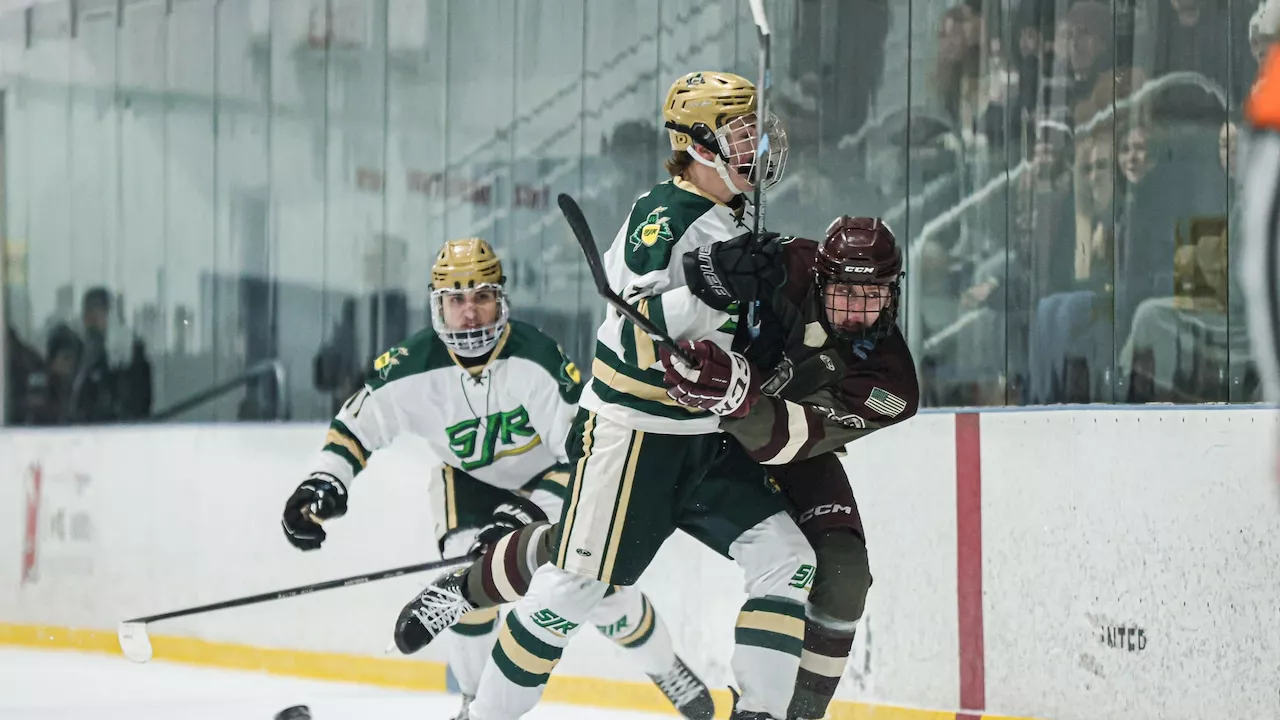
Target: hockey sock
{"x": 628, "y": 618}
{"x": 778, "y": 564}
{"x": 825, "y": 654}
{"x": 470, "y": 643}
{"x": 531, "y": 641}
{"x": 502, "y": 574}
{"x": 768, "y": 640}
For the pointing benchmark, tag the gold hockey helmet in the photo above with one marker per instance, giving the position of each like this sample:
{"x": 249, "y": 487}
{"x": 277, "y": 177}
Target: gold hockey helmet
{"x": 467, "y": 267}
{"x": 717, "y": 111}
{"x": 466, "y": 263}
{"x": 705, "y": 100}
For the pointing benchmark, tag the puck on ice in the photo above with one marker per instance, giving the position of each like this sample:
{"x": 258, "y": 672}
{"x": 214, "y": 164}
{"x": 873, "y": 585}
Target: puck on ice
{"x": 297, "y": 712}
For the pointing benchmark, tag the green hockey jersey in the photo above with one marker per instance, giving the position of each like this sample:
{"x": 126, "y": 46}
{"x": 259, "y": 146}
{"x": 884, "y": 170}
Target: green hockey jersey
{"x": 502, "y": 423}
{"x": 644, "y": 266}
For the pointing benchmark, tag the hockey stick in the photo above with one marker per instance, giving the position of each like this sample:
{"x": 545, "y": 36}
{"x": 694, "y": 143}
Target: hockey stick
{"x": 764, "y": 37}
{"x": 587, "y": 241}
{"x": 136, "y": 645}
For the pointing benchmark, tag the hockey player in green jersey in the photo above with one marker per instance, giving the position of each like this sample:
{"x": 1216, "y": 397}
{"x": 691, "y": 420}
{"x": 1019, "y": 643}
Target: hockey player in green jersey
{"x": 494, "y": 398}
{"x": 642, "y": 465}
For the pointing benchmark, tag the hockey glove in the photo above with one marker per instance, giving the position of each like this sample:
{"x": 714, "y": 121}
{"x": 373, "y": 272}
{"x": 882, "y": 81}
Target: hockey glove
{"x": 724, "y": 382}
{"x": 742, "y": 269}
{"x": 319, "y": 498}
{"x": 507, "y": 518}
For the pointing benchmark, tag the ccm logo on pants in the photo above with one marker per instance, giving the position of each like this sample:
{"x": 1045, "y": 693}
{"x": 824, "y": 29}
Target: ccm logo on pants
{"x": 821, "y": 510}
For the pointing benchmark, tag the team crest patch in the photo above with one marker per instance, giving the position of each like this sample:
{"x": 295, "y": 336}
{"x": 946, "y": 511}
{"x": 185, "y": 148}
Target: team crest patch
{"x": 654, "y": 229}
{"x": 570, "y": 377}
{"x": 388, "y": 360}
{"x": 886, "y": 403}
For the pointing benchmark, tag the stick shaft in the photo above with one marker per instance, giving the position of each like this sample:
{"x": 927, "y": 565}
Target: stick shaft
{"x": 586, "y": 240}
{"x": 306, "y": 589}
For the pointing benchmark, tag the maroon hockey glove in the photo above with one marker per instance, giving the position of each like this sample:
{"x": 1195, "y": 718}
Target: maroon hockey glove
{"x": 724, "y": 382}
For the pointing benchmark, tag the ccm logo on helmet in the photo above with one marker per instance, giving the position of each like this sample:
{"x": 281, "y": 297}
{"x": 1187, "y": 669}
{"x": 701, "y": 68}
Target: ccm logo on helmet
{"x": 858, "y": 269}
{"x": 823, "y": 510}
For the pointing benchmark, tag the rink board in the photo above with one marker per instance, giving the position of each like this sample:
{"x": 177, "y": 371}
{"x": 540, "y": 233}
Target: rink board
{"x": 1065, "y": 564}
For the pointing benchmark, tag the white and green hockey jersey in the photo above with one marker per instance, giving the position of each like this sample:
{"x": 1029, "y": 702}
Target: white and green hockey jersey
{"x": 502, "y": 423}
{"x": 645, "y": 267}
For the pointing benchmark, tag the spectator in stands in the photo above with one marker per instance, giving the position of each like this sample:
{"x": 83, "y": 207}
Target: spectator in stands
{"x": 1144, "y": 218}
{"x": 112, "y": 381}
{"x": 1198, "y": 36}
{"x": 1095, "y": 193}
{"x": 1090, "y": 61}
{"x": 1071, "y": 348}
{"x": 26, "y": 382}
{"x": 1184, "y": 346}
{"x": 63, "y": 350}
{"x": 957, "y": 76}
{"x": 1134, "y": 159}
{"x": 1030, "y": 63}
{"x": 993, "y": 348}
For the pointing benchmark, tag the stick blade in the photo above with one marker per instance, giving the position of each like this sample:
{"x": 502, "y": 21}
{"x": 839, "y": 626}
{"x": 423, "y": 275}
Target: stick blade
{"x": 586, "y": 240}
{"x": 134, "y": 641}
{"x": 760, "y": 18}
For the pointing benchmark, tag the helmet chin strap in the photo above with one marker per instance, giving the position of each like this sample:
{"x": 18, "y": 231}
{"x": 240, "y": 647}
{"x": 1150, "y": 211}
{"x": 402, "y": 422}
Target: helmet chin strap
{"x": 721, "y": 170}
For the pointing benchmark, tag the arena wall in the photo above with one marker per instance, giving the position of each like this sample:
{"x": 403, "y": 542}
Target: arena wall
{"x": 1074, "y": 563}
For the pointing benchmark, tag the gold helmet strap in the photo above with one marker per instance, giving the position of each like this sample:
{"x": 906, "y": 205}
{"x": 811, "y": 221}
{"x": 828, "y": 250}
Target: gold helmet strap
{"x": 700, "y": 135}
{"x": 707, "y": 139}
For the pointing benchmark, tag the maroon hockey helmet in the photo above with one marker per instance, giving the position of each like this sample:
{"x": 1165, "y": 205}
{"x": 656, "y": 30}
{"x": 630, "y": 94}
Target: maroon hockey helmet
{"x": 858, "y": 270}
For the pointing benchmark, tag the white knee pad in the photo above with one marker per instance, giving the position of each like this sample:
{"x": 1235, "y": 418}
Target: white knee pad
{"x": 776, "y": 559}
{"x": 629, "y": 619}
{"x": 558, "y": 603}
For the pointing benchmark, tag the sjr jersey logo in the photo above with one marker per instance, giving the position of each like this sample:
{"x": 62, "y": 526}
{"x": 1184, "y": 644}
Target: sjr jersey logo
{"x": 480, "y": 441}
{"x": 803, "y": 577}
{"x": 552, "y": 622}
{"x": 618, "y": 629}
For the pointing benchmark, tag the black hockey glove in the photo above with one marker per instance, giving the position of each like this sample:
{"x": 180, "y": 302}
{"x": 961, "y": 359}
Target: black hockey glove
{"x": 743, "y": 269}
{"x": 319, "y": 497}
{"x": 507, "y": 518}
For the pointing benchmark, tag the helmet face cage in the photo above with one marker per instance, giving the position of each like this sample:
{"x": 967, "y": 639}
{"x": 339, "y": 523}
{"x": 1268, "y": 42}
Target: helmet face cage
{"x": 846, "y": 293}
{"x": 470, "y": 342}
{"x": 737, "y": 143}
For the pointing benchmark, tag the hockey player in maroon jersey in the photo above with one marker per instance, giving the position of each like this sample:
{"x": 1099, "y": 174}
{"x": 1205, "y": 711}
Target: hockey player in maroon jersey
{"x": 829, "y": 365}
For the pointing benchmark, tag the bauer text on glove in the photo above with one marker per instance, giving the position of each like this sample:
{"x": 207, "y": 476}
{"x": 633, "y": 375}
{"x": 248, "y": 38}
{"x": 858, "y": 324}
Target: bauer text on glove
{"x": 742, "y": 269}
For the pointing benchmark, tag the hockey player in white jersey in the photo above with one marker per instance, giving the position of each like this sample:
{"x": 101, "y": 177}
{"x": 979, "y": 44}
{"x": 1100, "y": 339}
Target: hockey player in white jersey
{"x": 642, "y": 465}
{"x": 494, "y": 398}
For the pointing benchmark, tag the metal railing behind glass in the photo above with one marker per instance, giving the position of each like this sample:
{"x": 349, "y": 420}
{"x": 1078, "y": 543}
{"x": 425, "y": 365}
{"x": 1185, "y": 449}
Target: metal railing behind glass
{"x": 275, "y": 404}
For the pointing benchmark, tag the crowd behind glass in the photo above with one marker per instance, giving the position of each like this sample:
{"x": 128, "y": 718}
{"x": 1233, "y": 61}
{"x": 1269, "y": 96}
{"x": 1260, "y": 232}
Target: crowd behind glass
{"x": 254, "y": 210}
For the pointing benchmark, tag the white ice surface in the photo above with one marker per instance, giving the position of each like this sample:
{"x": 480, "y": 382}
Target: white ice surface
{"x": 81, "y": 686}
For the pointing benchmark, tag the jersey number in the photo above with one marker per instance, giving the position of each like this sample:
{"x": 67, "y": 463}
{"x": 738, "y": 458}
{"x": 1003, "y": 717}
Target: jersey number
{"x": 503, "y": 428}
